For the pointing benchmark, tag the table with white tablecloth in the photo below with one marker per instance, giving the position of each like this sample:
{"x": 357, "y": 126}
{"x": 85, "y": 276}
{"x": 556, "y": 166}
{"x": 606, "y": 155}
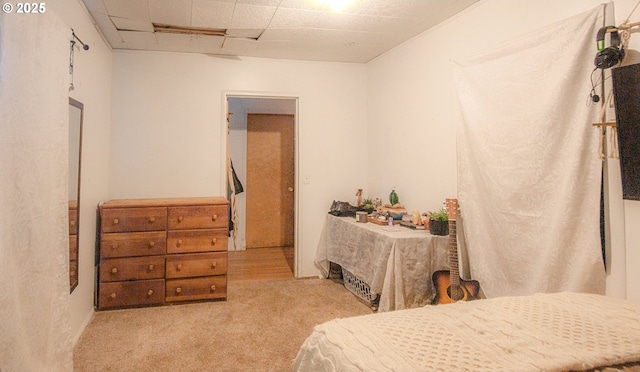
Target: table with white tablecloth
{"x": 396, "y": 263}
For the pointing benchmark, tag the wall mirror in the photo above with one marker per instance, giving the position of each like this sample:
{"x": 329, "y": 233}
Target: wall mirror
{"x": 75, "y": 151}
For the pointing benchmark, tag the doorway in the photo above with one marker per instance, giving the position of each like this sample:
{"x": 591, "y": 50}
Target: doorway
{"x": 261, "y": 143}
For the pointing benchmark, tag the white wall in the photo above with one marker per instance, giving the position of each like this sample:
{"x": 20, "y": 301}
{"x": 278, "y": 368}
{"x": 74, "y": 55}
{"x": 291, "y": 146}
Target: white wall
{"x": 92, "y": 81}
{"x": 411, "y": 115}
{"x": 168, "y": 126}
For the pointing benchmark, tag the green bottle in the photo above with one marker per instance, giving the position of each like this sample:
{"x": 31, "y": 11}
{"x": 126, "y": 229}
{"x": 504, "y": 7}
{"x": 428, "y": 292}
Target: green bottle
{"x": 393, "y": 197}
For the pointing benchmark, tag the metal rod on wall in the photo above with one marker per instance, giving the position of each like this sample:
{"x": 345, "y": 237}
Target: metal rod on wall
{"x": 74, "y": 39}
{"x": 84, "y": 46}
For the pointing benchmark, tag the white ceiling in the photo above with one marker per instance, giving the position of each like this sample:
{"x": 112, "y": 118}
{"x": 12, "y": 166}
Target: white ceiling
{"x": 288, "y": 29}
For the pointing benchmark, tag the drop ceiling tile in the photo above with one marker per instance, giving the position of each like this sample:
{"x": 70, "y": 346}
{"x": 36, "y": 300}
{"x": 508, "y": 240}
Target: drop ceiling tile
{"x": 402, "y": 9}
{"x": 140, "y": 40}
{"x": 170, "y": 12}
{"x": 251, "y": 44}
{"x": 251, "y": 16}
{"x": 134, "y": 9}
{"x": 206, "y": 43}
{"x": 296, "y": 18}
{"x": 178, "y": 42}
{"x": 275, "y": 34}
{"x": 244, "y": 33}
{"x": 316, "y": 5}
{"x": 380, "y": 24}
{"x": 184, "y": 48}
{"x": 237, "y": 46}
{"x": 386, "y": 39}
{"x": 95, "y": 6}
{"x": 360, "y": 55}
{"x": 304, "y": 34}
{"x": 326, "y": 45}
{"x": 109, "y": 30}
{"x": 189, "y": 43}
{"x": 273, "y": 3}
{"x": 126, "y": 24}
{"x": 211, "y": 14}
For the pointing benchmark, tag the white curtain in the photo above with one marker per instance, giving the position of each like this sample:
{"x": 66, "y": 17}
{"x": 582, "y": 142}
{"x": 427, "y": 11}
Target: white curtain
{"x": 528, "y": 165}
{"x": 35, "y": 330}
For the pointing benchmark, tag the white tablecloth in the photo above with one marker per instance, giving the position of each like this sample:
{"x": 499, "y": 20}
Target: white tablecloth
{"x": 395, "y": 264}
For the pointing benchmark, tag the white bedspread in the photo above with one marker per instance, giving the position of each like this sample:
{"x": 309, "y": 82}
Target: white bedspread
{"x": 552, "y": 332}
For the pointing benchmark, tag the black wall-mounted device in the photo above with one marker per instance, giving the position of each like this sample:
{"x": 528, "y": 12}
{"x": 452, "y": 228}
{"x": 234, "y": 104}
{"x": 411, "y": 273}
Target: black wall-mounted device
{"x": 626, "y": 95}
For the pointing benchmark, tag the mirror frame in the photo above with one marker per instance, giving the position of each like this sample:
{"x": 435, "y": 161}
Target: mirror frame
{"x": 74, "y": 255}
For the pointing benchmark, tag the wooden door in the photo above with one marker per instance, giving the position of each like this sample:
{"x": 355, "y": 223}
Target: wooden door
{"x": 270, "y": 180}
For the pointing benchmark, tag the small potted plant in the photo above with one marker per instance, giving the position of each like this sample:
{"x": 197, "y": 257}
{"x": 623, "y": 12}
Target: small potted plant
{"x": 439, "y": 222}
{"x": 367, "y": 205}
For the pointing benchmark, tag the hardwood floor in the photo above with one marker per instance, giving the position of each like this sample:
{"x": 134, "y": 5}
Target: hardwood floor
{"x": 256, "y": 264}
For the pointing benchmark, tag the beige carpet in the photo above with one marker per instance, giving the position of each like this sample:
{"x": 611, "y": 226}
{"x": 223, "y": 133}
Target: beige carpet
{"x": 258, "y": 328}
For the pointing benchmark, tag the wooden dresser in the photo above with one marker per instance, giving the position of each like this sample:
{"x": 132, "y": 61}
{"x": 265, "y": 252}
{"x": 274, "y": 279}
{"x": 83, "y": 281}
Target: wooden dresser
{"x": 73, "y": 243}
{"x": 154, "y": 252}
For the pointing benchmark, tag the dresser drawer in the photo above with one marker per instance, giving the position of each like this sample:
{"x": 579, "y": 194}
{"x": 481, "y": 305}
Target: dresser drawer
{"x": 200, "y": 264}
{"x": 198, "y": 217}
{"x": 196, "y": 289}
{"x": 126, "y": 294}
{"x": 134, "y": 219}
{"x": 73, "y": 270}
{"x": 73, "y": 247}
{"x": 192, "y": 241}
{"x": 73, "y": 221}
{"x": 132, "y": 268}
{"x": 133, "y": 244}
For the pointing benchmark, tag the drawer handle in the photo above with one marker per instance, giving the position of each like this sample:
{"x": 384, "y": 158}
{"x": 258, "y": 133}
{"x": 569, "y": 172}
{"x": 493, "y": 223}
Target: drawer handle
{"x": 115, "y": 221}
{"x": 179, "y": 243}
{"x": 116, "y": 245}
{"x": 114, "y": 270}
{"x": 152, "y": 244}
{"x": 72, "y": 223}
{"x": 215, "y": 217}
{"x": 150, "y": 293}
{"x": 179, "y": 267}
{"x": 152, "y": 219}
{"x": 151, "y": 267}
{"x": 214, "y": 264}
{"x": 113, "y": 295}
{"x": 180, "y": 218}
{"x": 213, "y": 288}
{"x": 179, "y": 290}
{"x": 214, "y": 241}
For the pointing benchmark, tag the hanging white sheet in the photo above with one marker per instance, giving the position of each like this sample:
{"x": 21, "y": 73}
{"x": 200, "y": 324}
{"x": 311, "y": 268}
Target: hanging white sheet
{"x": 528, "y": 166}
{"x": 35, "y": 333}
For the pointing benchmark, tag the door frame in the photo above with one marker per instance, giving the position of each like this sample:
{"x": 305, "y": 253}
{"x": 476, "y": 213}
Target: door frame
{"x": 226, "y": 95}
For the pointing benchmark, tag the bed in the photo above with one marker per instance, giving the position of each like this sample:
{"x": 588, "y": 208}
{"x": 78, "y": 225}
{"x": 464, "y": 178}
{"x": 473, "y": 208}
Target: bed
{"x": 550, "y": 332}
